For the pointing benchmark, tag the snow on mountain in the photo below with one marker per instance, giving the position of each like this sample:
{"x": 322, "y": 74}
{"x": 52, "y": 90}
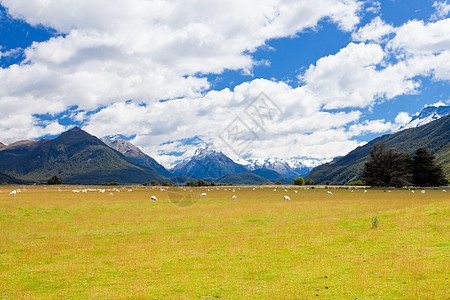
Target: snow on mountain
{"x": 207, "y": 163}
{"x": 426, "y": 115}
{"x": 285, "y": 167}
{"x": 134, "y": 154}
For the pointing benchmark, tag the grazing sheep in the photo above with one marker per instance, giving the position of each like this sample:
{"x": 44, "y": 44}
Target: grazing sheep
{"x": 101, "y": 191}
{"x": 329, "y": 193}
{"x": 365, "y": 191}
{"x": 423, "y": 191}
{"x": 203, "y": 195}
{"x": 274, "y": 190}
{"x": 130, "y": 190}
{"x": 287, "y": 198}
{"x": 234, "y": 197}
{"x": 75, "y": 191}
{"x": 111, "y": 194}
{"x": 412, "y": 192}
{"x": 153, "y": 198}
{"x": 162, "y": 190}
{"x": 13, "y": 193}
{"x": 444, "y": 191}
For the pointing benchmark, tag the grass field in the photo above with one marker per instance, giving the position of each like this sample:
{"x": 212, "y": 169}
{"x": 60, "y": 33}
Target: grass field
{"x": 63, "y": 245}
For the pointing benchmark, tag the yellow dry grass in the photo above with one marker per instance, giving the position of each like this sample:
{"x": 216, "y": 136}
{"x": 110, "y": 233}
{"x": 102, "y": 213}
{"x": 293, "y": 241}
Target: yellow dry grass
{"x": 64, "y": 245}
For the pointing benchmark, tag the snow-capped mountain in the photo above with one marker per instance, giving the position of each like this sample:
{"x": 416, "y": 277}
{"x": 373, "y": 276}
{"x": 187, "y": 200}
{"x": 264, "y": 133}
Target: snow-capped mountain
{"x": 207, "y": 163}
{"x": 426, "y": 115}
{"x": 134, "y": 154}
{"x": 286, "y": 168}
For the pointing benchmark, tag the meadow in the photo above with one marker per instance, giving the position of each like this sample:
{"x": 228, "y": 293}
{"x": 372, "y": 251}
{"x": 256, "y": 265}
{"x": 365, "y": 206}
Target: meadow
{"x": 64, "y": 245}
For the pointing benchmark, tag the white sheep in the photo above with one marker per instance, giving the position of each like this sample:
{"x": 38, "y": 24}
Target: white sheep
{"x": 153, "y": 198}
{"x": 101, "y": 191}
{"x": 287, "y": 198}
{"x": 444, "y": 191}
{"x": 329, "y": 193}
{"x": 412, "y": 192}
{"x": 423, "y": 191}
{"x": 75, "y": 191}
{"x": 274, "y": 190}
{"x": 13, "y": 193}
{"x": 162, "y": 190}
{"x": 234, "y": 197}
{"x": 296, "y": 192}
{"x": 203, "y": 195}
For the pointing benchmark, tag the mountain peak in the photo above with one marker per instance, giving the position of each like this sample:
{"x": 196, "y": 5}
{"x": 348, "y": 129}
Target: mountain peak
{"x": 426, "y": 115}
{"x": 208, "y": 150}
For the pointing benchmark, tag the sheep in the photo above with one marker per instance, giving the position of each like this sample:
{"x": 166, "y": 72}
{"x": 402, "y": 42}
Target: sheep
{"x": 365, "y": 191}
{"x": 329, "y": 193}
{"x": 13, "y": 193}
{"x": 111, "y": 194}
{"x": 84, "y": 191}
{"x": 274, "y": 190}
{"x": 287, "y": 198}
{"x": 203, "y": 195}
{"x": 444, "y": 191}
{"x": 162, "y": 190}
{"x": 153, "y": 198}
{"x": 296, "y": 192}
{"x": 75, "y": 191}
{"x": 101, "y": 191}
{"x": 412, "y": 192}
{"x": 423, "y": 191}
{"x": 234, "y": 197}
{"x": 130, "y": 190}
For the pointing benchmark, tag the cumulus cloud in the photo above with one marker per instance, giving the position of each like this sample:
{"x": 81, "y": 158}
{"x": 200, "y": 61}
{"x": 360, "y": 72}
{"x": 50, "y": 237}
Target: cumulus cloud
{"x": 374, "y": 31}
{"x": 442, "y": 10}
{"x": 403, "y": 118}
{"x": 109, "y": 51}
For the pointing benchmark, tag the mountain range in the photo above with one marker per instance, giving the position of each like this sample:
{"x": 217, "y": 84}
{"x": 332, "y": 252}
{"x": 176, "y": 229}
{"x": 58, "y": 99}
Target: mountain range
{"x": 434, "y": 136}
{"x": 78, "y": 157}
{"x": 426, "y": 115}
{"x": 75, "y": 157}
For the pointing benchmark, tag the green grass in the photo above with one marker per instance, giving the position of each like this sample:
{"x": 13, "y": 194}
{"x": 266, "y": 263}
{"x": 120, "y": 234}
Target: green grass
{"x": 62, "y": 245}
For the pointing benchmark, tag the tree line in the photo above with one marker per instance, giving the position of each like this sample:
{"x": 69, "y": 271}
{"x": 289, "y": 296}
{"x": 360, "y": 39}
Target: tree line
{"x": 385, "y": 167}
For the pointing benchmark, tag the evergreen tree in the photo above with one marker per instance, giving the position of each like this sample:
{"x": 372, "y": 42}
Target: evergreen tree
{"x": 387, "y": 168}
{"x": 309, "y": 181}
{"x": 54, "y": 180}
{"x": 425, "y": 171}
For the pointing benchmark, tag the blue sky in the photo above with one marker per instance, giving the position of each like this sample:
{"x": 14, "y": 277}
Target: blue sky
{"x": 165, "y": 72}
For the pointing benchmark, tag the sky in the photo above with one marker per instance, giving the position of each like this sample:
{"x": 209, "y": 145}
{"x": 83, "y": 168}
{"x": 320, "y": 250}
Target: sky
{"x": 301, "y": 80}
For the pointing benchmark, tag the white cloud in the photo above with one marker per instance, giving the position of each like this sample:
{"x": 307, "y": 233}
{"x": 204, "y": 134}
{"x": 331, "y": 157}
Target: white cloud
{"x": 416, "y": 37}
{"x": 146, "y": 50}
{"x": 403, "y": 118}
{"x": 442, "y": 10}
{"x": 374, "y": 31}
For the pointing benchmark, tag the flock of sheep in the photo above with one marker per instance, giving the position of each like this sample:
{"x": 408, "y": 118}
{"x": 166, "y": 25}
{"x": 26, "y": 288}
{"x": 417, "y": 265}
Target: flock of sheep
{"x": 154, "y": 198}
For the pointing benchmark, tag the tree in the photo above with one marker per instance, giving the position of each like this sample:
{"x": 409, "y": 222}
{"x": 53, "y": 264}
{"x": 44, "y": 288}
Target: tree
{"x": 309, "y": 181}
{"x": 154, "y": 182}
{"x": 54, "y": 180}
{"x": 145, "y": 184}
{"x": 384, "y": 167}
{"x": 327, "y": 182}
{"x": 299, "y": 181}
{"x": 201, "y": 182}
{"x": 164, "y": 183}
{"x": 425, "y": 171}
{"x": 278, "y": 182}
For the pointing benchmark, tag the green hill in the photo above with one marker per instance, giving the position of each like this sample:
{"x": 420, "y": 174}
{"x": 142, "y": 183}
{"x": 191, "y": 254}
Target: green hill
{"x": 76, "y": 157}
{"x": 243, "y": 178}
{"x": 434, "y": 136}
{"x": 6, "y": 179}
